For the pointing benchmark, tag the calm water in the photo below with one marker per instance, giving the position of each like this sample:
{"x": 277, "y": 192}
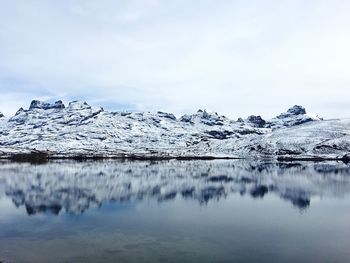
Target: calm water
{"x": 175, "y": 211}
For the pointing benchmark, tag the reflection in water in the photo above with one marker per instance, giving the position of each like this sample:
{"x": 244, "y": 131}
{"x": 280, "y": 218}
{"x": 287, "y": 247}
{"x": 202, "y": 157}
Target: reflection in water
{"x": 174, "y": 211}
{"x": 74, "y": 187}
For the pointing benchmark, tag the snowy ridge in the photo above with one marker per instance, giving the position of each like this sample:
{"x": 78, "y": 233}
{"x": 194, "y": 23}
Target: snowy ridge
{"x": 81, "y": 130}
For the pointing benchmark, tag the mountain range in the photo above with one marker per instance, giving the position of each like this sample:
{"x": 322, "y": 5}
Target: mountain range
{"x": 80, "y": 130}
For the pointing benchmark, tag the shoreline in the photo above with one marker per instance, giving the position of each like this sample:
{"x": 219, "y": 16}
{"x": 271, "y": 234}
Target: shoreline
{"x": 43, "y": 157}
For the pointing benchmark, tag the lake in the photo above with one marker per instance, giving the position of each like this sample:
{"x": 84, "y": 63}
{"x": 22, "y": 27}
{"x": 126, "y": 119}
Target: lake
{"x": 174, "y": 211}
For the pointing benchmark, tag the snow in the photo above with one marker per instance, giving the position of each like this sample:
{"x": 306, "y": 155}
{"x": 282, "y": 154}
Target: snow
{"x": 82, "y": 130}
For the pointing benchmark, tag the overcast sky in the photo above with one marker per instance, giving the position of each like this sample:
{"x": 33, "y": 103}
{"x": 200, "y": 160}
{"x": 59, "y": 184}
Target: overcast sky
{"x": 233, "y": 57}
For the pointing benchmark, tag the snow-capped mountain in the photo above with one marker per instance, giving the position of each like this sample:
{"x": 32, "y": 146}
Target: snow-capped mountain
{"x": 81, "y": 130}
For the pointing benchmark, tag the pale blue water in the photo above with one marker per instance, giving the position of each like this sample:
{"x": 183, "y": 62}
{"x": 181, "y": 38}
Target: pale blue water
{"x": 177, "y": 211}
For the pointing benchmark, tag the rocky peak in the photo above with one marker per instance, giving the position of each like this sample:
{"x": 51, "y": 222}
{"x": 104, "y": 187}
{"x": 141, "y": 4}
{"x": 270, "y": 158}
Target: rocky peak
{"x": 202, "y": 116}
{"x": 294, "y": 116}
{"x": 293, "y": 111}
{"x": 297, "y": 110}
{"x": 256, "y": 121}
{"x": 1, "y": 115}
{"x": 78, "y": 105}
{"x": 36, "y": 104}
{"x": 20, "y": 110}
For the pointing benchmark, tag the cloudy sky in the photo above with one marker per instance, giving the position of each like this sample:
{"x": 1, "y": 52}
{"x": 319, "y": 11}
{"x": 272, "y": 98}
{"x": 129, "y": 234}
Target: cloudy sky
{"x": 234, "y": 57}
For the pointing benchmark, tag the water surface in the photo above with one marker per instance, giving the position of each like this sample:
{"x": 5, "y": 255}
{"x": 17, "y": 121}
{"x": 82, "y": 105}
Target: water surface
{"x": 175, "y": 211}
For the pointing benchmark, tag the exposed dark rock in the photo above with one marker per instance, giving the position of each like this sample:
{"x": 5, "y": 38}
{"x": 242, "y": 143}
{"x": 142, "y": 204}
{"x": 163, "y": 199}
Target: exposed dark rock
{"x": 186, "y": 118}
{"x": 288, "y": 151}
{"x": 247, "y": 131}
{"x": 205, "y": 114}
{"x": 33, "y": 157}
{"x": 124, "y": 113}
{"x": 298, "y": 122}
{"x": 204, "y": 117}
{"x": 294, "y": 111}
{"x": 297, "y": 110}
{"x": 1, "y": 115}
{"x": 79, "y": 105}
{"x": 294, "y": 116}
{"x": 256, "y": 121}
{"x": 19, "y": 111}
{"x": 220, "y": 134}
{"x": 166, "y": 115}
{"x": 94, "y": 114}
{"x": 36, "y": 104}
{"x": 324, "y": 148}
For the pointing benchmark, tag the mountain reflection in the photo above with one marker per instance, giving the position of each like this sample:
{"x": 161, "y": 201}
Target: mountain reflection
{"x": 74, "y": 187}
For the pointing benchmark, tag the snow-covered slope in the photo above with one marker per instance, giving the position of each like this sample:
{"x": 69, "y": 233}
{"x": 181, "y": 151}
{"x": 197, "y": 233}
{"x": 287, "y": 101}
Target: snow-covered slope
{"x": 81, "y": 130}
{"x": 294, "y": 116}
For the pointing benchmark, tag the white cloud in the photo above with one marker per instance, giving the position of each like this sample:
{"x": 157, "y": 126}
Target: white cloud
{"x": 235, "y": 57}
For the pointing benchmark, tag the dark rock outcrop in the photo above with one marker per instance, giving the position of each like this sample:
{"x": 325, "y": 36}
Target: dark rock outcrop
{"x": 220, "y": 134}
{"x": 186, "y": 118}
{"x": 166, "y": 115}
{"x": 20, "y": 110}
{"x": 207, "y": 118}
{"x": 36, "y": 104}
{"x": 295, "y": 115}
{"x": 256, "y": 121}
{"x": 296, "y": 110}
{"x": 293, "y": 111}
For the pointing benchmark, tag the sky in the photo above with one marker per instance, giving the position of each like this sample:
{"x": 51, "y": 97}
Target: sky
{"x": 234, "y": 57}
